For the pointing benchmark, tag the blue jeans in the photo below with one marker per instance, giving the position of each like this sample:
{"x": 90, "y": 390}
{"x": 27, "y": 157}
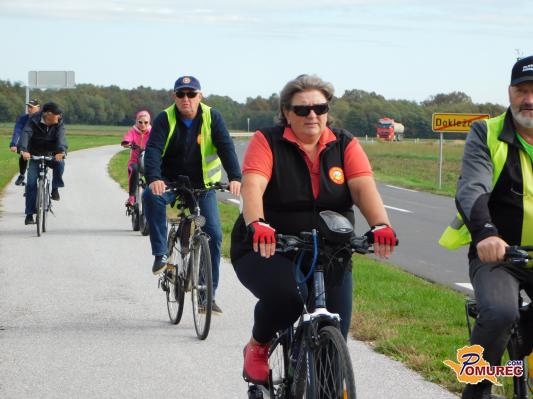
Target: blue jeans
{"x": 156, "y": 215}
{"x": 58, "y": 168}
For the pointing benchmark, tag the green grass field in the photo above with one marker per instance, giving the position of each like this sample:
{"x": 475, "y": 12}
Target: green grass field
{"x": 416, "y": 164}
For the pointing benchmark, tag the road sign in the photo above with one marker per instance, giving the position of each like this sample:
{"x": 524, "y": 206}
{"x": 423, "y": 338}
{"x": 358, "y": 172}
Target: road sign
{"x": 51, "y": 80}
{"x": 454, "y": 123}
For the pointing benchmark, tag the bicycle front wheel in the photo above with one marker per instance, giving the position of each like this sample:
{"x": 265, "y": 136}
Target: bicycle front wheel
{"x": 278, "y": 363}
{"x": 330, "y": 373}
{"x": 39, "y": 206}
{"x": 173, "y": 283}
{"x": 46, "y": 205}
{"x": 143, "y": 223}
{"x": 202, "y": 285}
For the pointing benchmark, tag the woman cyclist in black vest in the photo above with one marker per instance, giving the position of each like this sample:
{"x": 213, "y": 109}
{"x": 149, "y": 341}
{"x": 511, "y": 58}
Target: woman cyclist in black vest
{"x": 291, "y": 172}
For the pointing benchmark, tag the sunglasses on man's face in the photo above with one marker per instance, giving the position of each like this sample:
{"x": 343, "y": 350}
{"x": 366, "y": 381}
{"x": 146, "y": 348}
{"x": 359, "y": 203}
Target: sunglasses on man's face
{"x": 142, "y": 122}
{"x": 189, "y": 94}
{"x": 304, "y": 110}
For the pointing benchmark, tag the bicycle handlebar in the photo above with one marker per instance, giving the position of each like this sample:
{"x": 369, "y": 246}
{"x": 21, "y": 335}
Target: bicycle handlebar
{"x": 42, "y": 157}
{"x": 287, "y": 243}
{"x": 518, "y": 255}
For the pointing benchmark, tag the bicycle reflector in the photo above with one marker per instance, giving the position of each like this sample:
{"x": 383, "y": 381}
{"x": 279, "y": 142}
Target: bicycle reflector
{"x": 334, "y": 227}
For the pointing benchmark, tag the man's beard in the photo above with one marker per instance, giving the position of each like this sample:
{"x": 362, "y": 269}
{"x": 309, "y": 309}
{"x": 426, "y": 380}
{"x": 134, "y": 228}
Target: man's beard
{"x": 525, "y": 121}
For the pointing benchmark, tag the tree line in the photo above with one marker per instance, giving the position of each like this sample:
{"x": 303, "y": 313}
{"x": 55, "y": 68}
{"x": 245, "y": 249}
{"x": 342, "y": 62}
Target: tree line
{"x": 356, "y": 110}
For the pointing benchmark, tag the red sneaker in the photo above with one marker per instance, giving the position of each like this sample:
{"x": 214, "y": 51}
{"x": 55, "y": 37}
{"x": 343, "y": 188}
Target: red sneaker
{"x": 255, "y": 363}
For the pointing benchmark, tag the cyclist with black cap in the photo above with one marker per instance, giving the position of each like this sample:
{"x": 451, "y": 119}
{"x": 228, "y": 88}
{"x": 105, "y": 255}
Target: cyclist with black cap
{"x": 495, "y": 203}
{"x": 43, "y": 134}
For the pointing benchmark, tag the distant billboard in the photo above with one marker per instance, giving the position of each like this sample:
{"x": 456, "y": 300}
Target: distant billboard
{"x": 51, "y": 80}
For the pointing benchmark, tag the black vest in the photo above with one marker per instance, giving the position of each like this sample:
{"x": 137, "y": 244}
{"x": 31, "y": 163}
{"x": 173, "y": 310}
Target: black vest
{"x": 288, "y": 201}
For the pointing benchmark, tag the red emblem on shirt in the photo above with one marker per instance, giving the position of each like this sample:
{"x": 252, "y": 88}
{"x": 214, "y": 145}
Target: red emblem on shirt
{"x": 336, "y": 175}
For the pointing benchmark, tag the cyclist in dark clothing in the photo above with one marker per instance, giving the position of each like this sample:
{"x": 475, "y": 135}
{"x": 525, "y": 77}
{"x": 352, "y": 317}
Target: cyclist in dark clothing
{"x": 495, "y": 202}
{"x": 44, "y": 134}
{"x": 291, "y": 172}
{"x": 33, "y": 106}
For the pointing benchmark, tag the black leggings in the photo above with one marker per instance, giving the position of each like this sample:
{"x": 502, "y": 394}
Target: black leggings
{"x": 273, "y": 282}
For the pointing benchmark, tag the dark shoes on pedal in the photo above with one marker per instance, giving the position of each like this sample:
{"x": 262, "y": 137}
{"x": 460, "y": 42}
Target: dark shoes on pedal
{"x": 481, "y": 390}
{"x": 160, "y": 264}
{"x": 55, "y": 194}
{"x": 19, "y": 181}
{"x": 29, "y": 220}
{"x": 255, "y": 368}
{"x": 215, "y": 309}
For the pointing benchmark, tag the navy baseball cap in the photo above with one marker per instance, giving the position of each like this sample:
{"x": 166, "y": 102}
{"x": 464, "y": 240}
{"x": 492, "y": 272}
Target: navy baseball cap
{"x": 522, "y": 71}
{"x": 187, "y": 82}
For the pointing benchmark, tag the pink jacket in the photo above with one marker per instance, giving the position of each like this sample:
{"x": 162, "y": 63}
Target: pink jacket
{"x": 134, "y": 135}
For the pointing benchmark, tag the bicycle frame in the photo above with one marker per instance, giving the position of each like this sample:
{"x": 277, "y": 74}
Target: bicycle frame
{"x": 306, "y": 334}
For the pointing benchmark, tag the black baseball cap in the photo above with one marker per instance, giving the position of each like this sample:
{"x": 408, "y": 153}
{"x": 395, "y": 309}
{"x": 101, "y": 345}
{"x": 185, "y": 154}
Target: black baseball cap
{"x": 33, "y": 103}
{"x": 522, "y": 71}
{"x": 53, "y": 108}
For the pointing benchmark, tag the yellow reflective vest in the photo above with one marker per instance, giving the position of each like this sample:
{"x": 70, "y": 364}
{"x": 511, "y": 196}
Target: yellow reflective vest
{"x": 211, "y": 165}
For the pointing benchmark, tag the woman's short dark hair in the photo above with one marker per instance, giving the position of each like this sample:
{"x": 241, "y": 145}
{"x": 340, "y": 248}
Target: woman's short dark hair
{"x": 297, "y": 85}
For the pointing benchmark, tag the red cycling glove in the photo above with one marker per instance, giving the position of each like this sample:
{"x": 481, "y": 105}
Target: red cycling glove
{"x": 382, "y": 234}
{"x": 261, "y": 232}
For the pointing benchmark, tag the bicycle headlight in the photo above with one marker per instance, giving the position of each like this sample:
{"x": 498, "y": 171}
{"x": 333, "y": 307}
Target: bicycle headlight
{"x": 199, "y": 221}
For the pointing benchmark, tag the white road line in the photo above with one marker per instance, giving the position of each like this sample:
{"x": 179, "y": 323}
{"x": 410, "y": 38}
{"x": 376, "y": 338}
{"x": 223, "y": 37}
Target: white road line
{"x": 465, "y": 285}
{"x": 398, "y": 209}
{"x": 401, "y": 188}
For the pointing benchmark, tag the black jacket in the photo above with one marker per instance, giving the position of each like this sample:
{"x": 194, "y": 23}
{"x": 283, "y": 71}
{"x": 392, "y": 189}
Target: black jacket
{"x": 40, "y": 139}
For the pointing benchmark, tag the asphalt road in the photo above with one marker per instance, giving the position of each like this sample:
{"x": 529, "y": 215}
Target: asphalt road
{"x": 81, "y": 315}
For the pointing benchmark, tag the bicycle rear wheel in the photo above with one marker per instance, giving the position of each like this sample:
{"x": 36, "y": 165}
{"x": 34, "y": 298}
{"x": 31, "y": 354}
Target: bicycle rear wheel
{"x": 39, "y": 206}
{"x": 202, "y": 285}
{"x": 173, "y": 279}
{"x": 330, "y": 373}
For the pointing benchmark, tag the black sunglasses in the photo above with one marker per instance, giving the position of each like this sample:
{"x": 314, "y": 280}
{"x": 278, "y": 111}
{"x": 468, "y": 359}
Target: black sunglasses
{"x": 304, "y": 110}
{"x": 189, "y": 94}
{"x": 143, "y": 122}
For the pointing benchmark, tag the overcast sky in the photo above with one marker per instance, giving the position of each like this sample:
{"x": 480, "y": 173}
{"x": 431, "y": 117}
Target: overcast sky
{"x": 399, "y": 49}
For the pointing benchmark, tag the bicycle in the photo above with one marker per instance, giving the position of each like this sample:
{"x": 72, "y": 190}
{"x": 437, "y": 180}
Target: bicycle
{"x": 136, "y": 210}
{"x": 516, "y": 348}
{"x": 43, "y": 202}
{"x": 189, "y": 258}
{"x": 312, "y": 359}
